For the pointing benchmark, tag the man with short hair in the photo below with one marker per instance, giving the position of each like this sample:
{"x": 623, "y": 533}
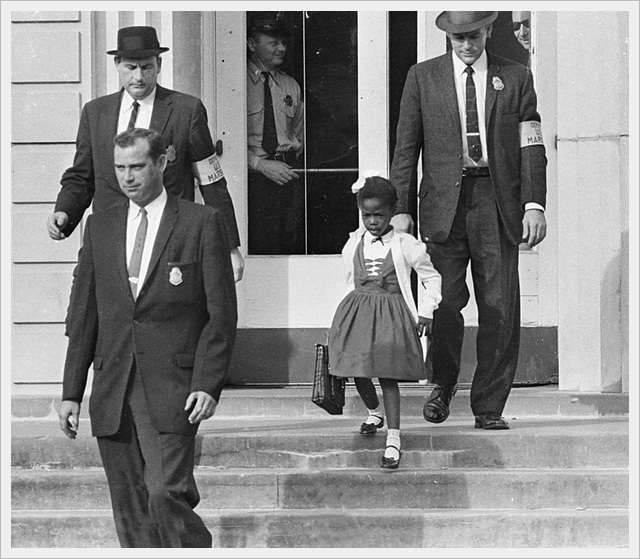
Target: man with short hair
{"x": 275, "y": 142}
{"x": 473, "y": 117}
{"x": 521, "y": 22}
{"x": 180, "y": 118}
{"x": 153, "y": 308}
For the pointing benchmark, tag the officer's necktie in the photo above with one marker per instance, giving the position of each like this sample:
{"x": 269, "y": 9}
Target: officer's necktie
{"x": 136, "y": 255}
{"x": 269, "y": 134}
{"x": 134, "y": 115}
{"x": 473, "y": 132}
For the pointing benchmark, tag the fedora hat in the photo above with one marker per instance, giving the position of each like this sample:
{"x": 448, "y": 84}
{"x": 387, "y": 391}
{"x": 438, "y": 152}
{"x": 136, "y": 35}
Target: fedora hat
{"x": 464, "y": 22}
{"x": 137, "y": 42}
{"x": 269, "y": 23}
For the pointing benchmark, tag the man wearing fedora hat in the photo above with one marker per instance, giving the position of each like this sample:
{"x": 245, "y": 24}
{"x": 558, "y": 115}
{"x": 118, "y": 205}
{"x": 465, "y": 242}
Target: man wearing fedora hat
{"x": 142, "y": 103}
{"x": 473, "y": 117}
{"x": 275, "y": 141}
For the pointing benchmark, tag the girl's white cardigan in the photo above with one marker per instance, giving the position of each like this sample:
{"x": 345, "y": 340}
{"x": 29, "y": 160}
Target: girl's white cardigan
{"x": 407, "y": 252}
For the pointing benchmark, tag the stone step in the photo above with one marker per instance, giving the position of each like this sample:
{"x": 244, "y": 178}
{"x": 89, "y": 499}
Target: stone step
{"x": 295, "y": 401}
{"x": 364, "y": 488}
{"x": 350, "y": 528}
{"x": 333, "y": 442}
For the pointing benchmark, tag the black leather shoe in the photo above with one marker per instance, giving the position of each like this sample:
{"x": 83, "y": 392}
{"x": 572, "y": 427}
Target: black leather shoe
{"x": 371, "y": 428}
{"x": 391, "y": 463}
{"x": 436, "y": 408}
{"x": 491, "y": 421}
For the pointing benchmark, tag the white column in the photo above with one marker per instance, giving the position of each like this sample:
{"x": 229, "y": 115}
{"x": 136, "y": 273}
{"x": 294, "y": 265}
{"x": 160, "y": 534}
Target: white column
{"x": 593, "y": 91}
{"x": 373, "y": 103}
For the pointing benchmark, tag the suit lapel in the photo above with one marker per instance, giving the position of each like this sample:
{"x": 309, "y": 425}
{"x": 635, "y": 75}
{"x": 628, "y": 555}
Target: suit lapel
{"x": 167, "y": 223}
{"x": 491, "y": 92}
{"x": 108, "y": 125}
{"x": 447, "y": 81}
{"x": 162, "y": 107}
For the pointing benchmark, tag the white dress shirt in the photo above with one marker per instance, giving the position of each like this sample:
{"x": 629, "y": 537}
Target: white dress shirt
{"x": 480, "y": 69}
{"x": 154, "y": 215}
{"x": 143, "y": 120}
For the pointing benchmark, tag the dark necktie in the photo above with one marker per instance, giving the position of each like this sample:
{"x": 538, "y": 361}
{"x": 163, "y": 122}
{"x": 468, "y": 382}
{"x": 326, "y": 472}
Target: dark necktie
{"x": 269, "y": 134}
{"x": 473, "y": 132}
{"x": 134, "y": 115}
{"x": 377, "y": 239}
{"x": 136, "y": 255}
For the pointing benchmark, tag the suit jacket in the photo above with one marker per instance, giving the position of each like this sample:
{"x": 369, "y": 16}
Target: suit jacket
{"x": 429, "y": 122}
{"x": 180, "y": 333}
{"x": 182, "y": 121}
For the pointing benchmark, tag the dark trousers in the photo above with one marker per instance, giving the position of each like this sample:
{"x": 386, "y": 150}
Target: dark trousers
{"x": 150, "y": 476}
{"x": 477, "y": 237}
{"x": 276, "y": 216}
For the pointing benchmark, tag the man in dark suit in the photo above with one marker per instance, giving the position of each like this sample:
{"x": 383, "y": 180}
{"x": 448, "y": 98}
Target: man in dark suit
{"x": 153, "y": 308}
{"x": 180, "y": 118}
{"x": 473, "y": 117}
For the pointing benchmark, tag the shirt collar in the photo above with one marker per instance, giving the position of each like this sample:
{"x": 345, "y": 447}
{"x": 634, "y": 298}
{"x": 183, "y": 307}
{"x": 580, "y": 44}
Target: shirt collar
{"x": 386, "y": 238}
{"x": 153, "y": 208}
{"x": 480, "y": 65}
{"x": 127, "y": 100}
{"x": 256, "y": 73}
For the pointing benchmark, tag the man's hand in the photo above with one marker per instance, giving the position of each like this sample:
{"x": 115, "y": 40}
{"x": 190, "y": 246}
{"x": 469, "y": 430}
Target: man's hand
{"x": 203, "y": 404}
{"x": 403, "y": 222}
{"x": 277, "y": 171}
{"x": 56, "y": 222}
{"x": 237, "y": 263}
{"x": 534, "y": 227}
{"x": 69, "y": 415}
{"x": 425, "y": 326}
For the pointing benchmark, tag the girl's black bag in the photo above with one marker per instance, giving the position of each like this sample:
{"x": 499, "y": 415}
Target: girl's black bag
{"x": 328, "y": 391}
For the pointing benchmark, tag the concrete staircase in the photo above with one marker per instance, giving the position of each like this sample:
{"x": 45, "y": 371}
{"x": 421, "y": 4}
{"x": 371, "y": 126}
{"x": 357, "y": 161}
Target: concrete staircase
{"x": 276, "y": 471}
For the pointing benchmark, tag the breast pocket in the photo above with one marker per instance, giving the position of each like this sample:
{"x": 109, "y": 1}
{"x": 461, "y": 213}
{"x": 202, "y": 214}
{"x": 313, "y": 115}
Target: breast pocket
{"x": 179, "y": 280}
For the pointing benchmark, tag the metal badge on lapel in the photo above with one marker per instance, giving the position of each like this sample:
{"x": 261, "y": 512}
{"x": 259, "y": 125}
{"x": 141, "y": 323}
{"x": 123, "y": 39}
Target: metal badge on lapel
{"x": 288, "y": 101}
{"x": 171, "y": 153}
{"x": 497, "y": 83}
{"x": 175, "y": 276}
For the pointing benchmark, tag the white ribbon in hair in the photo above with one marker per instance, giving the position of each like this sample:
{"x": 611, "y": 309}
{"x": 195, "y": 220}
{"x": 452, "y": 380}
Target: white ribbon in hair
{"x": 361, "y": 180}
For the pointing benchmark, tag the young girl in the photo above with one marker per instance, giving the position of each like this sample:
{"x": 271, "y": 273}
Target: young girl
{"x": 376, "y": 328}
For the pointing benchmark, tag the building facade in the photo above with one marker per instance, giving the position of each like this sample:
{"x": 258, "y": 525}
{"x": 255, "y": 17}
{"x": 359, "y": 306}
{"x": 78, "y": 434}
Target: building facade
{"x": 351, "y": 66}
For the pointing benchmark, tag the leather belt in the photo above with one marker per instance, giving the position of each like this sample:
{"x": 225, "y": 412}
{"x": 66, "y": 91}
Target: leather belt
{"x": 475, "y": 172}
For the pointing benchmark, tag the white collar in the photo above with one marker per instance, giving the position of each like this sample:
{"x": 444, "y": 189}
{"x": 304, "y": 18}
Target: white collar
{"x": 386, "y": 238}
{"x": 153, "y": 208}
{"x": 127, "y": 100}
{"x": 480, "y": 65}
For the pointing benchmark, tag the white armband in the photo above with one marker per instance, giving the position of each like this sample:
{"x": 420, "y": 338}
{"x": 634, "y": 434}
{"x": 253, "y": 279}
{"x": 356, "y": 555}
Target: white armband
{"x": 208, "y": 170}
{"x": 531, "y": 133}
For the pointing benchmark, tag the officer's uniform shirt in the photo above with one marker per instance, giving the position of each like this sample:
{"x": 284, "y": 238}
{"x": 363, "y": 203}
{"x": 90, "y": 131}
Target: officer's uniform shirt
{"x": 287, "y": 110}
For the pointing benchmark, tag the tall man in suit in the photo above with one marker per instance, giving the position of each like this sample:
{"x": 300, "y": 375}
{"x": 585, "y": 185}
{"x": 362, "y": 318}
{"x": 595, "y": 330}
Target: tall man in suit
{"x": 153, "y": 307}
{"x": 180, "y": 118}
{"x": 473, "y": 116}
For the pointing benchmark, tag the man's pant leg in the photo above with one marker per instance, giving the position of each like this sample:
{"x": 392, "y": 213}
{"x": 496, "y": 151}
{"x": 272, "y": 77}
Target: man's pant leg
{"x": 494, "y": 266}
{"x": 450, "y": 259}
{"x": 124, "y": 467}
{"x": 168, "y": 477}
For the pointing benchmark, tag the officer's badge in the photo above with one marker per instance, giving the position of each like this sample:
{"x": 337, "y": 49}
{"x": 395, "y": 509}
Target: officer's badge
{"x": 175, "y": 276}
{"x": 288, "y": 101}
{"x": 497, "y": 83}
{"x": 171, "y": 153}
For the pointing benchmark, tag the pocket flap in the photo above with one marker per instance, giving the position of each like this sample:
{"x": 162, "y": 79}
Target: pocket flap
{"x": 185, "y": 360}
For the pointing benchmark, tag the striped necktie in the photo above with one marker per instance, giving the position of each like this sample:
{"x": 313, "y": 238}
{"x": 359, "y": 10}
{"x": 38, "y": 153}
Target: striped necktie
{"x": 134, "y": 115}
{"x": 473, "y": 132}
